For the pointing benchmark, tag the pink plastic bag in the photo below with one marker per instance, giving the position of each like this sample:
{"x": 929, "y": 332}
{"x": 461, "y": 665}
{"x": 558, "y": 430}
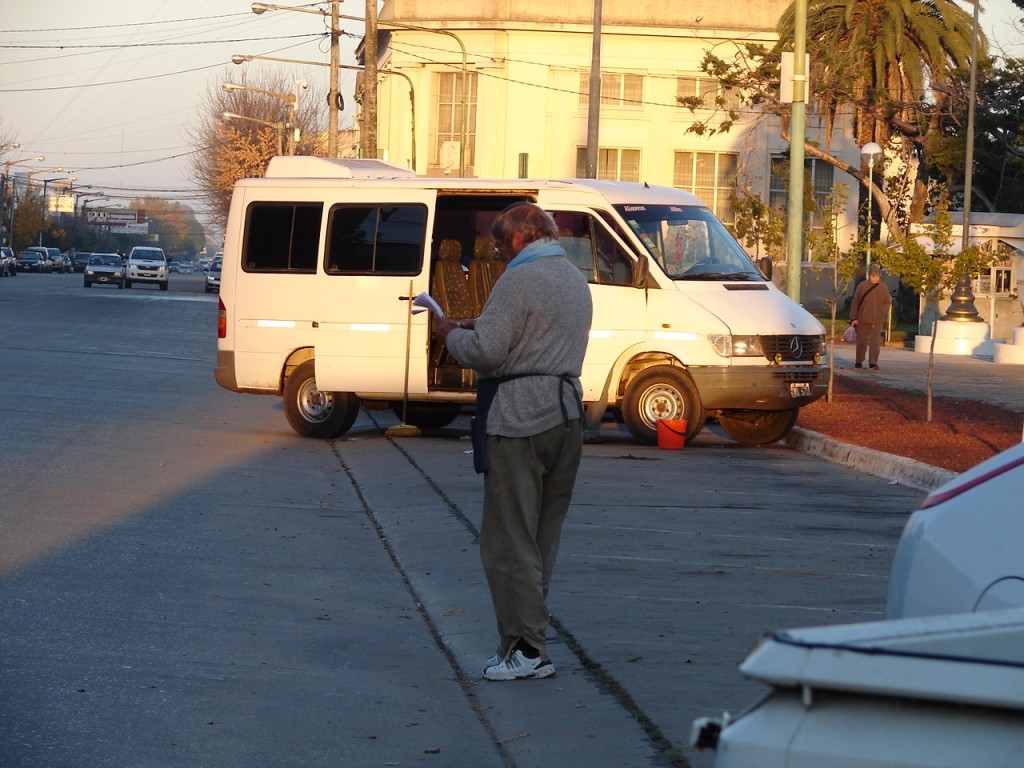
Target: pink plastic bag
{"x": 850, "y": 335}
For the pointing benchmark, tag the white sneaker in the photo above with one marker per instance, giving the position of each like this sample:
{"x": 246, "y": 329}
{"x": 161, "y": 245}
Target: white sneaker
{"x": 494, "y": 661}
{"x": 518, "y": 667}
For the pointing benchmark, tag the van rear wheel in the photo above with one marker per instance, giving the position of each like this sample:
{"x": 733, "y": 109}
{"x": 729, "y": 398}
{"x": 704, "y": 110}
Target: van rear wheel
{"x": 312, "y": 413}
{"x": 758, "y": 427}
{"x": 661, "y": 392}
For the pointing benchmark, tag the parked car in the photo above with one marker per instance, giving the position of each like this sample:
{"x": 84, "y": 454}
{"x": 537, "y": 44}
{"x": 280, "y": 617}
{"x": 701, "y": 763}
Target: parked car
{"x": 44, "y": 254}
{"x": 80, "y": 260}
{"x": 147, "y": 264}
{"x": 57, "y": 263}
{"x": 32, "y": 261}
{"x": 962, "y": 550}
{"x": 106, "y": 269}
{"x": 927, "y": 692}
{"x": 8, "y": 262}
{"x": 213, "y": 276}
{"x": 939, "y": 684}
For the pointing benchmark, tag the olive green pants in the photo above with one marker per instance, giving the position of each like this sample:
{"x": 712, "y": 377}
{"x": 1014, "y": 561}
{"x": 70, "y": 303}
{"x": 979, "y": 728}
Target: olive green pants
{"x": 527, "y": 491}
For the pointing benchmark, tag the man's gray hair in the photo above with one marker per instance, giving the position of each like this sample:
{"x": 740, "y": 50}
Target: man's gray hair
{"x": 528, "y": 219}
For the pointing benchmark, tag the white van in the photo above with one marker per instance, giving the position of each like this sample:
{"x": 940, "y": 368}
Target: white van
{"x": 322, "y": 258}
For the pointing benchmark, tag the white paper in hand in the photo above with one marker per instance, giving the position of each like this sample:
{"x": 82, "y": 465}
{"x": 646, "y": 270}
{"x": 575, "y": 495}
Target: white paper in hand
{"x": 426, "y": 302}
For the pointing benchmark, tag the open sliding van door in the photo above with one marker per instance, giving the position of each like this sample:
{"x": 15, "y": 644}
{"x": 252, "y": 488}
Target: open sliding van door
{"x": 377, "y": 244}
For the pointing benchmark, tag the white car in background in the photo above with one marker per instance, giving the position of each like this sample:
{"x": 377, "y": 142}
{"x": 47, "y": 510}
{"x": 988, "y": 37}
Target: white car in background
{"x": 147, "y": 264}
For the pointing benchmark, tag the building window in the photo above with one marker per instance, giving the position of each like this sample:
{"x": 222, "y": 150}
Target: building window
{"x": 708, "y": 93}
{"x": 821, "y": 175}
{"x": 612, "y": 164}
{"x": 446, "y": 124}
{"x": 617, "y": 89}
{"x": 711, "y": 177}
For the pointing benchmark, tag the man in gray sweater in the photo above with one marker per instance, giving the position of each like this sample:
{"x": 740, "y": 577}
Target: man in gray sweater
{"x": 527, "y": 349}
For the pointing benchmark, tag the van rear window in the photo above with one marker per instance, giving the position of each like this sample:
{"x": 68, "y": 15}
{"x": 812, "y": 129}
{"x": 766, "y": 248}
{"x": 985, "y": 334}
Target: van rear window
{"x": 282, "y": 237}
{"x": 376, "y": 239}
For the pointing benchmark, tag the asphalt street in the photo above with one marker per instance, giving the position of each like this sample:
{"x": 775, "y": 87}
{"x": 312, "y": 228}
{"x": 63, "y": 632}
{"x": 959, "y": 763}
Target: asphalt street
{"x": 185, "y": 582}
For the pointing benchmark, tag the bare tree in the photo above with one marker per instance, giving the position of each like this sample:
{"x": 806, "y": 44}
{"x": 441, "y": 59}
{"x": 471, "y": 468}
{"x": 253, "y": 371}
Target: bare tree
{"x": 229, "y": 149}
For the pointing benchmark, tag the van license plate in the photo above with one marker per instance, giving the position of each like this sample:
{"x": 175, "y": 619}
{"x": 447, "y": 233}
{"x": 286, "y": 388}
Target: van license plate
{"x": 800, "y": 389}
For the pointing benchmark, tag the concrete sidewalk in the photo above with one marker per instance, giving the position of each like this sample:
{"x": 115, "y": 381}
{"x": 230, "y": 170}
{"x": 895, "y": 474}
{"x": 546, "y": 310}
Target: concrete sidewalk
{"x": 966, "y": 378}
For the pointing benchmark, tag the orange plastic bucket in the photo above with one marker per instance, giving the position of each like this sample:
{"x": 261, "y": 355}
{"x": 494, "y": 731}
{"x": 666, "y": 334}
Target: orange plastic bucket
{"x": 671, "y": 434}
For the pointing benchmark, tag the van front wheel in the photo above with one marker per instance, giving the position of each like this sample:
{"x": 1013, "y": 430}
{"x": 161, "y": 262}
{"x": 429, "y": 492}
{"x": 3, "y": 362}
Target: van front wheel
{"x": 661, "y": 392}
{"x": 312, "y": 413}
{"x": 758, "y": 427}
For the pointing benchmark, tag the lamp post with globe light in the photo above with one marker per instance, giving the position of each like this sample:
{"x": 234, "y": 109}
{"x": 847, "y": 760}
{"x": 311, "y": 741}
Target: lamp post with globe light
{"x": 870, "y": 153}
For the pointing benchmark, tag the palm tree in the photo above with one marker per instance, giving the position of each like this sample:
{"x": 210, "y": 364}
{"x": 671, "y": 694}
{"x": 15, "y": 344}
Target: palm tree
{"x": 890, "y": 65}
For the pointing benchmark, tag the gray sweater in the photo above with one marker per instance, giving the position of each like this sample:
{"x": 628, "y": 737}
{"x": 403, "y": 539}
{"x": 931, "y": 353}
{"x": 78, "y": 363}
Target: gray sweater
{"x": 537, "y": 320}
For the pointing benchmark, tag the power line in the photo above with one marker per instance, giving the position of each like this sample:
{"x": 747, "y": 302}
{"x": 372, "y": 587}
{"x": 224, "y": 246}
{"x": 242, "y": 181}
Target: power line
{"x": 100, "y": 46}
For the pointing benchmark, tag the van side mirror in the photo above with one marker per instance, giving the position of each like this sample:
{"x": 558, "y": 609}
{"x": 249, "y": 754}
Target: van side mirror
{"x": 767, "y": 266}
{"x": 641, "y": 271}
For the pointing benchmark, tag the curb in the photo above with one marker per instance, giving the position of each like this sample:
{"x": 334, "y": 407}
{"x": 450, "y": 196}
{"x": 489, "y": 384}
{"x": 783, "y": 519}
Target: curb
{"x": 897, "y": 469}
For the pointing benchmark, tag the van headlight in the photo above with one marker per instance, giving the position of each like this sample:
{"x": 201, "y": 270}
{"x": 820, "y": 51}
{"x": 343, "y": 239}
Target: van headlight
{"x": 727, "y": 345}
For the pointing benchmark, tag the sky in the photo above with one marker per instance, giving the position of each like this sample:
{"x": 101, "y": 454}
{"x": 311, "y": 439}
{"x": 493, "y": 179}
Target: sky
{"x": 107, "y": 88}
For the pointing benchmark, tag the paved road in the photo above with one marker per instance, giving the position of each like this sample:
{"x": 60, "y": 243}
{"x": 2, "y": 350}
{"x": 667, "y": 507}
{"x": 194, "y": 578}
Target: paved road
{"x": 184, "y": 582}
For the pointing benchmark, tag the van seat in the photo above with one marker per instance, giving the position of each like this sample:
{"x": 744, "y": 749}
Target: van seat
{"x": 484, "y": 271}
{"x": 450, "y": 285}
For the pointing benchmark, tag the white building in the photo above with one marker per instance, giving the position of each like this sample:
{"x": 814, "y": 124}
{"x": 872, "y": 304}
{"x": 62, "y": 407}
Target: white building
{"x": 527, "y": 68}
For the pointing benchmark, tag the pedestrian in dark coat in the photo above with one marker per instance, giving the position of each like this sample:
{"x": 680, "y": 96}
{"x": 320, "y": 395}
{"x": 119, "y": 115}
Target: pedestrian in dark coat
{"x": 868, "y": 313}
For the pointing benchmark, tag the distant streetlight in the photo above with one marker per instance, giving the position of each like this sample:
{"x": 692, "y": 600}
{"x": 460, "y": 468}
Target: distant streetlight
{"x": 278, "y": 126}
{"x": 11, "y": 145}
{"x": 291, "y": 98}
{"x": 30, "y": 174}
{"x": 871, "y": 153}
{"x": 333, "y": 98}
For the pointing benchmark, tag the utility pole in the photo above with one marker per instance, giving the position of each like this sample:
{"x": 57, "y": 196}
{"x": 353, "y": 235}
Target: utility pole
{"x": 333, "y": 96}
{"x": 797, "y": 131}
{"x": 369, "y": 137}
{"x": 594, "y": 100}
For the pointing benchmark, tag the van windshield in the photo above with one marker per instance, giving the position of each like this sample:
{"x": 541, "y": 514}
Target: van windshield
{"x": 689, "y": 242}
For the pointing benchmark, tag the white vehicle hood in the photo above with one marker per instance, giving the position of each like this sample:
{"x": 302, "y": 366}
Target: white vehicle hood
{"x": 752, "y": 308}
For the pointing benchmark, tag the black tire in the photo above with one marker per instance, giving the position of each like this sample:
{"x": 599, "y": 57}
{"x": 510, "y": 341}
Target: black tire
{"x": 87, "y": 283}
{"x": 661, "y": 392}
{"x": 127, "y": 283}
{"x": 121, "y": 284}
{"x": 164, "y": 286}
{"x": 312, "y": 413}
{"x": 428, "y": 415}
{"x": 758, "y": 427}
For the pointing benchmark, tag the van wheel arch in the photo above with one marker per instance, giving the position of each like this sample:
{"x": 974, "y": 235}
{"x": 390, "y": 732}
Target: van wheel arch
{"x": 661, "y": 391}
{"x": 312, "y": 413}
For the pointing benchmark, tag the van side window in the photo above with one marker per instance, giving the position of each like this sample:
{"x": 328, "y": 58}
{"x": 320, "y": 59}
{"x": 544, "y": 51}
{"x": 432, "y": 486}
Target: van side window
{"x": 282, "y": 237}
{"x": 592, "y": 249}
{"x": 378, "y": 239}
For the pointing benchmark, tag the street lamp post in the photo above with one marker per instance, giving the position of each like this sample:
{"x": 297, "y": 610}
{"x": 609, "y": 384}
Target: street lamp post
{"x": 871, "y": 153}
{"x": 333, "y": 98}
{"x": 291, "y": 98}
{"x": 7, "y": 174}
{"x": 241, "y": 59}
{"x": 961, "y": 307}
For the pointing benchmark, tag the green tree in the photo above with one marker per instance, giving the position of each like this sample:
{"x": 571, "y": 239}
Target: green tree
{"x": 931, "y": 272}
{"x": 888, "y": 64}
{"x": 29, "y": 220}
